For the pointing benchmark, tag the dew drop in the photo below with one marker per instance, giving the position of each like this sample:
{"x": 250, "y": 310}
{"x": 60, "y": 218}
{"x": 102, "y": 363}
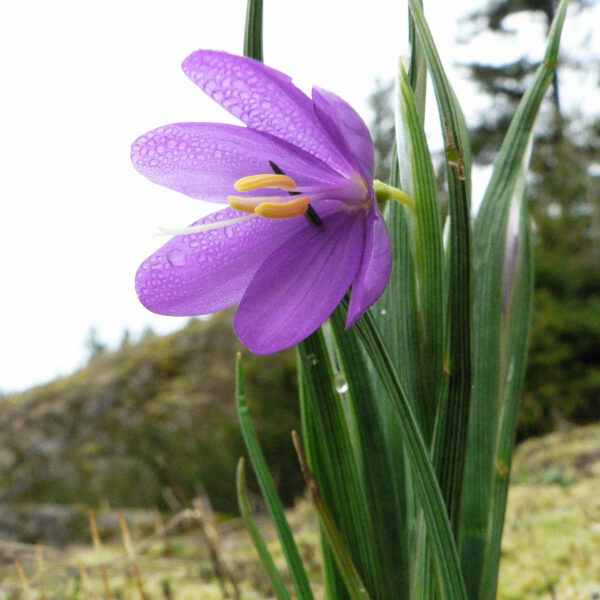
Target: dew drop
{"x": 176, "y": 257}
{"x": 341, "y": 385}
{"x": 383, "y": 311}
{"x": 312, "y": 359}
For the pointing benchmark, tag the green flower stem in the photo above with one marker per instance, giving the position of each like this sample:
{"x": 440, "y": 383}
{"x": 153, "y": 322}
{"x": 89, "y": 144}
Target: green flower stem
{"x": 385, "y": 192}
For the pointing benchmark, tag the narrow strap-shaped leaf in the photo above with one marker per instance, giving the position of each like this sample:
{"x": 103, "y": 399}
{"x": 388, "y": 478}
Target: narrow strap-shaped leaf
{"x": 334, "y": 461}
{"x": 418, "y": 180}
{"x": 334, "y": 584}
{"x": 396, "y": 310}
{"x": 253, "y": 46}
{"x": 259, "y": 543}
{"x": 389, "y": 516}
{"x": 454, "y": 127}
{"x": 514, "y": 351}
{"x": 354, "y": 585}
{"x": 428, "y": 491}
{"x": 452, "y": 428}
{"x": 417, "y": 70}
{"x": 267, "y": 487}
{"x": 489, "y": 248}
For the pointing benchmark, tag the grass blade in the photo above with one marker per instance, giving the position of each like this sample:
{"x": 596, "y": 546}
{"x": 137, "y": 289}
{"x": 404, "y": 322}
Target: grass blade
{"x": 417, "y": 71}
{"x": 253, "y": 46}
{"x": 279, "y": 588}
{"x": 267, "y": 487}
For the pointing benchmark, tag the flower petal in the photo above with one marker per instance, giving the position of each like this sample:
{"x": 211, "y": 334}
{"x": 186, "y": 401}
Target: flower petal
{"x": 203, "y": 160}
{"x": 375, "y": 268}
{"x": 265, "y": 99}
{"x": 299, "y": 285}
{"x": 204, "y": 272}
{"x": 348, "y": 130}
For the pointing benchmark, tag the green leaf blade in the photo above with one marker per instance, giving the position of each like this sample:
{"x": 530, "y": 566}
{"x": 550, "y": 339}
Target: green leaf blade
{"x": 418, "y": 180}
{"x": 333, "y": 459}
{"x": 253, "y": 43}
{"x": 452, "y": 431}
{"x": 426, "y": 485}
{"x": 259, "y": 543}
{"x": 377, "y": 470}
{"x": 267, "y": 487}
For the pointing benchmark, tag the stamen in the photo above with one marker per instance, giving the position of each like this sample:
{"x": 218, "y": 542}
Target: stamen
{"x": 283, "y": 210}
{"x": 311, "y": 214}
{"x": 247, "y": 203}
{"x": 266, "y": 180}
{"x": 203, "y": 226}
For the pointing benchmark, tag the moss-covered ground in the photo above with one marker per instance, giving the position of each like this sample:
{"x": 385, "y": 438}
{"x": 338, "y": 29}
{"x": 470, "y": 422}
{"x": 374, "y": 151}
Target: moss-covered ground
{"x": 551, "y": 547}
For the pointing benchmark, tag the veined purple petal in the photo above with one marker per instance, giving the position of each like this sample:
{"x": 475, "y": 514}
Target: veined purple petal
{"x": 347, "y": 129}
{"x": 203, "y": 160}
{"x": 299, "y": 285}
{"x": 375, "y": 267}
{"x": 265, "y": 99}
{"x": 205, "y": 272}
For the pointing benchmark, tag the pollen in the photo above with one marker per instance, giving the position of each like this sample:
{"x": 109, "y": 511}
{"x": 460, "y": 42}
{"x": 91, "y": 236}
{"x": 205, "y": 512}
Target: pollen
{"x": 267, "y": 180}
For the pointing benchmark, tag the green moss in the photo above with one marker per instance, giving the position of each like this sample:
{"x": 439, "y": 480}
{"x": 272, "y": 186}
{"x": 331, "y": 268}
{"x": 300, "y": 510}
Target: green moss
{"x": 160, "y": 414}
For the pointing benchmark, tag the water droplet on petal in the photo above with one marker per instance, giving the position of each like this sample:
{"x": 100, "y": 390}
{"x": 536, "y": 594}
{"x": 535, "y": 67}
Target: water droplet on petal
{"x": 176, "y": 257}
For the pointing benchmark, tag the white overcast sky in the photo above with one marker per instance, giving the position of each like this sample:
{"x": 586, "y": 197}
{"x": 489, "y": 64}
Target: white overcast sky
{"x": 81, "y": 80}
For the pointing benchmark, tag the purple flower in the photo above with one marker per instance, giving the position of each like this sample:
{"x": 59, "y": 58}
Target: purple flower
{"x": 302, "y": 224}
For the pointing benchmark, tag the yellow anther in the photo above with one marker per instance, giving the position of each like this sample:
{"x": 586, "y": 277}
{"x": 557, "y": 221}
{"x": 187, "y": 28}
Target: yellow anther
{"x": 244, "y": 203}
{"x": 267, "y": 180}
{"x": 283, "y": 210}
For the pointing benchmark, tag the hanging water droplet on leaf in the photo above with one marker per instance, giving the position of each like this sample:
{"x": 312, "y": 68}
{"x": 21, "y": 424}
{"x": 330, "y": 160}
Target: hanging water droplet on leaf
{"x": 341, "y": 385}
